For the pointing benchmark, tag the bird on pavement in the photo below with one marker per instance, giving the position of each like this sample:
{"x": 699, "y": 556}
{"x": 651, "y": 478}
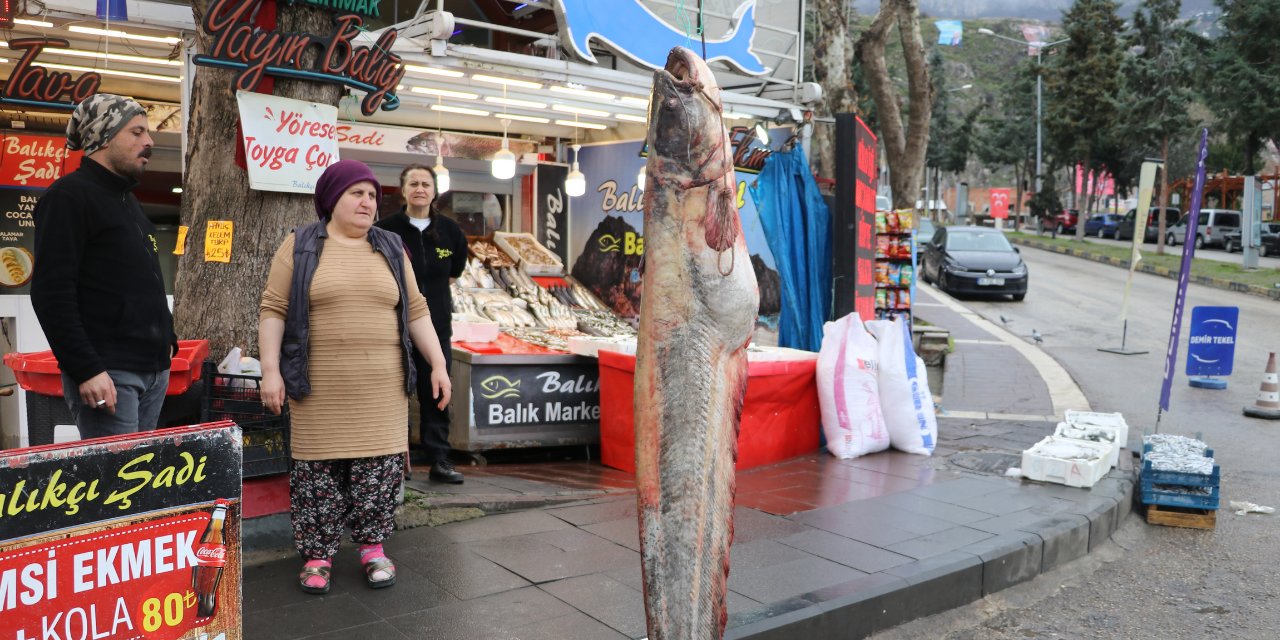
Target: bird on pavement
{"x": 1004, "y": 319}
{"x": 1035, "y": 335}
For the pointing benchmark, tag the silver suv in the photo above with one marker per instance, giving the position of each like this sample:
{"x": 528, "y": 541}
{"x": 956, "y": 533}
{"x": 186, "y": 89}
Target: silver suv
{"x": 1211, "y": 230}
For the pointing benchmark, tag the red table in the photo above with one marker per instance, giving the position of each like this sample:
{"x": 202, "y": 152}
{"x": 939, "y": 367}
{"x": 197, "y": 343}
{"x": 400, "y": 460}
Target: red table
{"x": 781, "y": 418}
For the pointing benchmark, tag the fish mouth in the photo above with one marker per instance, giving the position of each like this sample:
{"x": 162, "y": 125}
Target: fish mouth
{"x": 681, "y": 70}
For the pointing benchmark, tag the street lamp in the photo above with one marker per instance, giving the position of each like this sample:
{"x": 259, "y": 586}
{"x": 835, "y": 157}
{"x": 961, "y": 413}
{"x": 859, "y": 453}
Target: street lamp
{"x": 1040, "y": 46}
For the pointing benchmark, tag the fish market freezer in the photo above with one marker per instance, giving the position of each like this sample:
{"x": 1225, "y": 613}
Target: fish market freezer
{"x": 509, "y": 401}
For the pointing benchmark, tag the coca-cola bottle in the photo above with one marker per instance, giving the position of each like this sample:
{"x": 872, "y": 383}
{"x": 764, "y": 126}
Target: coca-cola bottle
{"x": 212, "y": 555}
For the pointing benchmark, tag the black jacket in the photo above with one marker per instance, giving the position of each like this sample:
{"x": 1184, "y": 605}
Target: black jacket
{"x": 97, "y": 287}
{"x": 436, "y": 257}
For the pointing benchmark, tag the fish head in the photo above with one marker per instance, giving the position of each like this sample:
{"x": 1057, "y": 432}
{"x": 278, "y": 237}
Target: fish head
{"x": 686, "y": 137}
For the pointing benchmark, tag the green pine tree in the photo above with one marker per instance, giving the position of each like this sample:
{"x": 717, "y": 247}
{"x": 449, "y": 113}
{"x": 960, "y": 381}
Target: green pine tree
{"x": 1082, "y": 85}
{"x": 1243, "y": 73}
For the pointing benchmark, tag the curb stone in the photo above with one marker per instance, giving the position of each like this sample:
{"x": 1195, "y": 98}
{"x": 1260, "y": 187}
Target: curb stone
{"x": 1217, "y": 283}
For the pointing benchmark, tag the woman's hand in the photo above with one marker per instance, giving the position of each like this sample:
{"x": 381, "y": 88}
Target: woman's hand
{"x": 272, "y": 391}
{"x": 441, "y": 387}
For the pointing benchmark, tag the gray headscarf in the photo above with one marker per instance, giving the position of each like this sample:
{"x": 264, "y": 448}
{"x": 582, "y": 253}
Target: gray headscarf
{"x": 98, "y": 119}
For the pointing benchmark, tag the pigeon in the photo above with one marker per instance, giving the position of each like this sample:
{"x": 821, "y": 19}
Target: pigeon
{"x": 1004, "y": 319}
{"x": 1035, "y": 335}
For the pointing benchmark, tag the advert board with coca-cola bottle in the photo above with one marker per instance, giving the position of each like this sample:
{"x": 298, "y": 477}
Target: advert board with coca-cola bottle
{"x": 134, "y": 536}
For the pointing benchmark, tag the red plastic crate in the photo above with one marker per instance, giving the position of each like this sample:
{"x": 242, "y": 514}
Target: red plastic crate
{"x": 38, "y": 371}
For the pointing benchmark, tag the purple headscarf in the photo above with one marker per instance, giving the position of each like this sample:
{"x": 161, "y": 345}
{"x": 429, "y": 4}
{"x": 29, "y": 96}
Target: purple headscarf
{"x": 336, "y": 179}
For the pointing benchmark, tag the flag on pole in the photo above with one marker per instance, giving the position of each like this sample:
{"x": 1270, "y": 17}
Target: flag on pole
{"x": 1146, "y": 184}
{"x": 1184, "y": 275}
{"x": 950, "y": 32}
{"x": 1036, "y": 35}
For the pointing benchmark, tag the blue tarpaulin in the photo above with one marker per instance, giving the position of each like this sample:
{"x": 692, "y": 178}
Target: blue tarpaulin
{"x": 797, "y": 226}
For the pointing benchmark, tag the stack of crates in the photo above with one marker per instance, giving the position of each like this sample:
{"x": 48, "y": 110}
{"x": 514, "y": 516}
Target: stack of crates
{"x": 1180, "y": 498}
{"x": 266, "y": 436}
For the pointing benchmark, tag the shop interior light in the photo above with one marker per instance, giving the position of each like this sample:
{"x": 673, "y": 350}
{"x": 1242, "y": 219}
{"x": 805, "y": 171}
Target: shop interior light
{"x": 444, "y": 73}
{"x": 513, "y": 102}
{"x": 634, "y": 101}
{"x": 176, "y": 189}
{"x": 106, "y": 72}
{"x": 33, "y": 23}
{"x": 512, "y": 116}
{"x": 630, "y": 118}
{"x": 642, "y": 176}
{"x": 445, "y": 93}
{"x": 762, "y": 133}
{"x": 581, "y": 125}
{"x": 442, "y": 174}
{"x": 121, "y": 34}
{"x": 582, "y": 111}
{"x": 733, "y": 115}
{"x": 503, "y": 165}
{"x": 118, "y": 57}
{"x": 506, "y": 82}
{"x": 575, "y": 184}
{"x": 462, "y": 110}
{"x": 584, "y": 93}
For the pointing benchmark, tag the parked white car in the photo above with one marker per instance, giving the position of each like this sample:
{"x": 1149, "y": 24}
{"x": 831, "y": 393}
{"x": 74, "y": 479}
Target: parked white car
{"x": 1211, "y": 228}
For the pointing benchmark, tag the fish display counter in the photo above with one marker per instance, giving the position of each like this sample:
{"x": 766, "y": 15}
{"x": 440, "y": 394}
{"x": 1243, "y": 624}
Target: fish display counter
{"x": 516, "y": 383}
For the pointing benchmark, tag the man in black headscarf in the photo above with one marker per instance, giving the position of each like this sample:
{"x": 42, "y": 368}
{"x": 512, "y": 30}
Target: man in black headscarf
{"x": 97, "y": 288}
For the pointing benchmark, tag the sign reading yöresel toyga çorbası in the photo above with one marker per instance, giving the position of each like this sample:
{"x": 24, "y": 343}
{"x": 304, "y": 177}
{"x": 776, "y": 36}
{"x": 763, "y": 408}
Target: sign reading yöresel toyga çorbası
{"x": 121, "y": 538}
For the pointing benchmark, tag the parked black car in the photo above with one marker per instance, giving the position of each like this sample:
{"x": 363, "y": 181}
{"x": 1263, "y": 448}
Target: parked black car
{"x": 974, "y": 260}
{"x": 1270, "y": 240}
{"x": 1125, "y": 229}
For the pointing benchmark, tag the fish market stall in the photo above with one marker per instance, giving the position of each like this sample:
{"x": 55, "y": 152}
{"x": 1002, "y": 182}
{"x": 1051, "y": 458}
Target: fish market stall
{"x": 516, "y": 383}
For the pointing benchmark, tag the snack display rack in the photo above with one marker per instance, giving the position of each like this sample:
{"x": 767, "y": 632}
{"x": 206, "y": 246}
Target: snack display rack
{"x": 895, "y": 263}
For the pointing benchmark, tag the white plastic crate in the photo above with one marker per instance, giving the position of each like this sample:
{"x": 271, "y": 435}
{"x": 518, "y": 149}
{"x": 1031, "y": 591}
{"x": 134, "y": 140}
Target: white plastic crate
{"x": 1095, "y": 419}
{"x": 469, "y": 331}
{"x": 1075, "y": 463}
{"x": 1107, "y": 435}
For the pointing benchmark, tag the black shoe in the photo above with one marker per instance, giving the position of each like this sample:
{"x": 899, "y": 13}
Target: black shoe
{"x": 443, "y": 471}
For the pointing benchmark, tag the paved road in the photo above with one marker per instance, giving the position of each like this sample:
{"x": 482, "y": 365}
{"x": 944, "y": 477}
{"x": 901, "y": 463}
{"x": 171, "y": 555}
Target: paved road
{"x": 1155, "y": 582}
{"x": 1208, "y": 253}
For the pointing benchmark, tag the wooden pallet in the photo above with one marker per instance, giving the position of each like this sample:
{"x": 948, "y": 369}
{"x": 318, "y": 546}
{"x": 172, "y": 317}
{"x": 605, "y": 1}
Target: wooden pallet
{"x": 1182, "y": 517}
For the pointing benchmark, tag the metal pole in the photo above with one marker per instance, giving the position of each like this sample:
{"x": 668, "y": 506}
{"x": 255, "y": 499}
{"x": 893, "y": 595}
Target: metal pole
{"x": 1039, "y": 118}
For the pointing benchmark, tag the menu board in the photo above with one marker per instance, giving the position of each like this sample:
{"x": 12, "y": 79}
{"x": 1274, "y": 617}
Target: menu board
{"x": 17, "y": 239}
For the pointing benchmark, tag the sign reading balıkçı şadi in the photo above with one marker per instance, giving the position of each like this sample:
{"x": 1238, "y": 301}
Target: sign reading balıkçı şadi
{"x": 287, "y": 143}
{"x": 121, "y": 538}
{"x": 254, "y": 52}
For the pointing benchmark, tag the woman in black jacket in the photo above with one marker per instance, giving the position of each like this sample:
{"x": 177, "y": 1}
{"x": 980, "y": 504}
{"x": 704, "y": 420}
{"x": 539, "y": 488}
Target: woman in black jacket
{"x": 438, "y": 251}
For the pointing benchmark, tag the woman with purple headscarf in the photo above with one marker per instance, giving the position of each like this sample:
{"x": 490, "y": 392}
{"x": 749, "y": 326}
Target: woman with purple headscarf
{"x": 339, "y": 319}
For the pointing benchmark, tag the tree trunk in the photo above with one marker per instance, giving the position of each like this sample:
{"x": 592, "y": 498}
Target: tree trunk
{"x": 1164, "y": 193}
{"x": 1082, "y": 201}
{"x": 832, "y": 53}
{"x": 1017, "y": 207}
{"x": 904, "y": 148}
{"x": 213, "y": 300}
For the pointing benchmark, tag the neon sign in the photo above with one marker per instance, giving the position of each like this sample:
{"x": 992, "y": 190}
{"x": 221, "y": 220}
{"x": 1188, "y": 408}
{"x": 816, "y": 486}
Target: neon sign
{"x": 255, "y": 52}
{"x": 363, "y": 7}
{"x": 35, "y": 86}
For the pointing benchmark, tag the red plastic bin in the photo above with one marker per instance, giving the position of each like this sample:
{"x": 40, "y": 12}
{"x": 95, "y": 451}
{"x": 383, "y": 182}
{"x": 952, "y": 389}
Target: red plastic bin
{"x": 38, "y": 371}
{"x": 781, "y": 417}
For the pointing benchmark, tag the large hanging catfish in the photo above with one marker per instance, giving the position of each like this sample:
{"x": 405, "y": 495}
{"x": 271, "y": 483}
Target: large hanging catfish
{"x": 697, "y": 311}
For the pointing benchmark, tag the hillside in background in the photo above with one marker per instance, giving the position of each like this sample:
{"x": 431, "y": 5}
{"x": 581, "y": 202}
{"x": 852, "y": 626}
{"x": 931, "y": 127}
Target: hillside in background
{"x": 1049, "y": 10}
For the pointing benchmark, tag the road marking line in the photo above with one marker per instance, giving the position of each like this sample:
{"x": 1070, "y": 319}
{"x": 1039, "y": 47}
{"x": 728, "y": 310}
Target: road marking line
{"x": 930, "y": 304}
{"x": 1063, "y": 390}
{"x": 974, "y": 341}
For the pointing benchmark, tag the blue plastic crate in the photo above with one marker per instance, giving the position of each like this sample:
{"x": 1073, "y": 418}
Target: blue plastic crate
{"x": 1151, "y": 495}
{"x": 1150, "y": 475}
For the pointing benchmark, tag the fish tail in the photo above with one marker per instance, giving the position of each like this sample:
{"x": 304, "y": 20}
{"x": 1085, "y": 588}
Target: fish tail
{"x": 737, "y": 49}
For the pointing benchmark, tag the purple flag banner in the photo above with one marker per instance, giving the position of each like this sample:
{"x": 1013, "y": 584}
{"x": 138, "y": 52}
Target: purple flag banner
{"x": 1184, "y": 275}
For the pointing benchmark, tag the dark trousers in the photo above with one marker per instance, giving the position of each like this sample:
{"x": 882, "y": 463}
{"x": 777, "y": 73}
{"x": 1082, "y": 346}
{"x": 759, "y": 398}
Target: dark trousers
{"x": 433, "y": 427}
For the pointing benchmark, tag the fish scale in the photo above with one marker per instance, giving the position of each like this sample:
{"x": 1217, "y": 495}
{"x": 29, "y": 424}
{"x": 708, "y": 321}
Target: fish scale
{"x": 697, "y": 312}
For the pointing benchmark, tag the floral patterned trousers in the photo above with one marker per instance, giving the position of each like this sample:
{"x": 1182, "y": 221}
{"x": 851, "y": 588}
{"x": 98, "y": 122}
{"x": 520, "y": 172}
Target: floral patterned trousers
{"x": 327, "y": 495}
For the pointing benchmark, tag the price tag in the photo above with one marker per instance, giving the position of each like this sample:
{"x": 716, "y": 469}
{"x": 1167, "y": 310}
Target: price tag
{"x": 217, "y": 241}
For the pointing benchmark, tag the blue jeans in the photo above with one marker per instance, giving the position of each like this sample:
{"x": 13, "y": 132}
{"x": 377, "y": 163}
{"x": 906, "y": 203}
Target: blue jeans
{"x": 139, "y": 396}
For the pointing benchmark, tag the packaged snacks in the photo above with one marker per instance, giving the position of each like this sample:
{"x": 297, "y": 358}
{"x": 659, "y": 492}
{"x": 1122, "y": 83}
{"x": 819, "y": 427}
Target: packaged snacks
{"x": 884, "y": 248}
{"x": 882, "y": 298}
{"x": 891, "y": 219}
{"x": 895, "y": 274}
{"x": 882, "y": 273}
{"x": 906, "y": 220}
{"x": 906, "y": 275}
{"x": 903, "y": 299}
{"x": 882, "y": 222}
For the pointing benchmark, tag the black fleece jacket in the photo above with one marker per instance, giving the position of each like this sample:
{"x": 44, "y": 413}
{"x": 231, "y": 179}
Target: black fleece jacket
{"x": 97, "y": 287}
{"x": 437, "y": 254}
